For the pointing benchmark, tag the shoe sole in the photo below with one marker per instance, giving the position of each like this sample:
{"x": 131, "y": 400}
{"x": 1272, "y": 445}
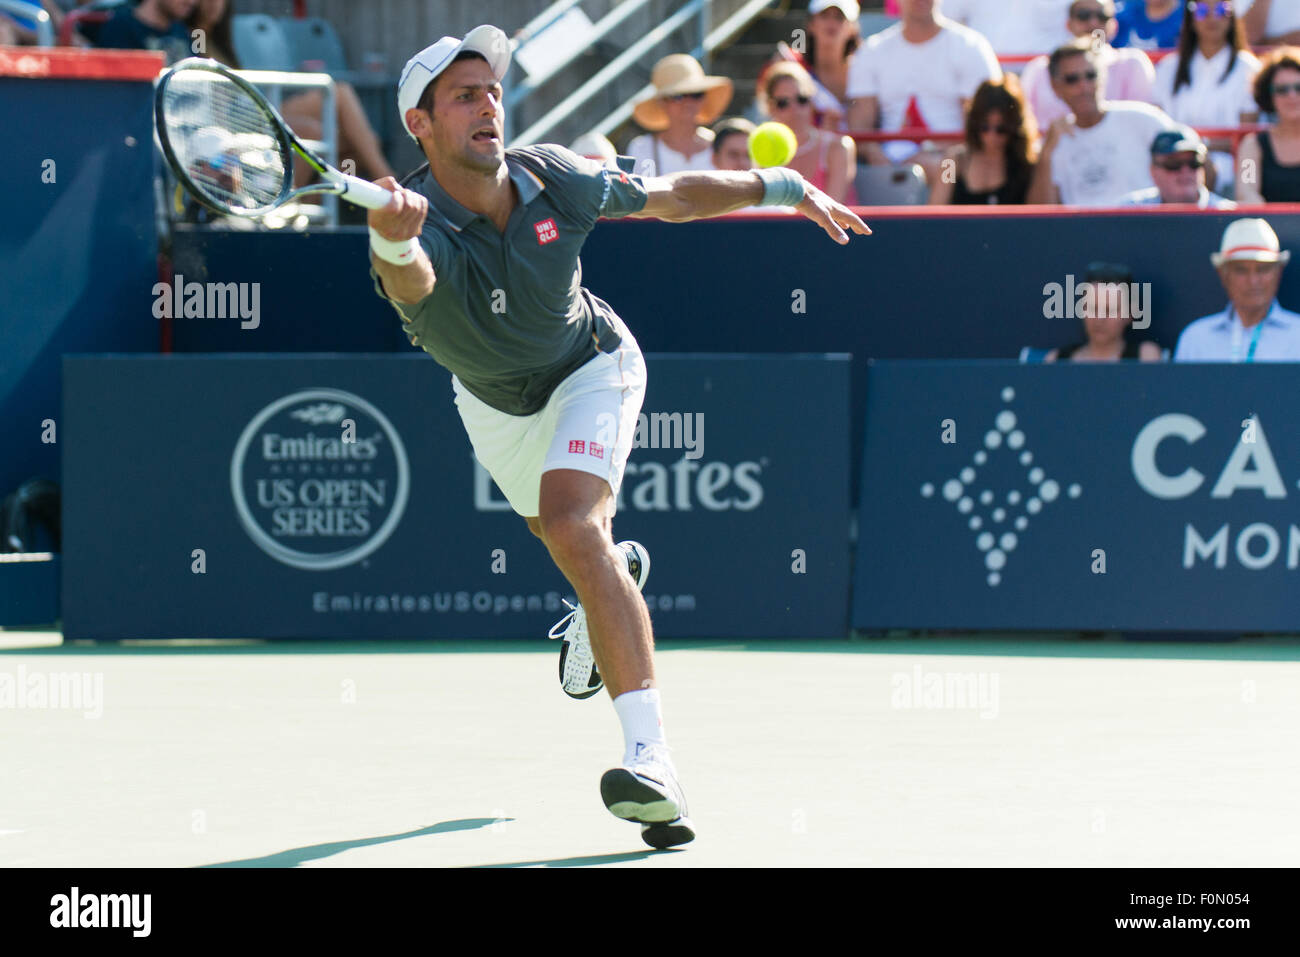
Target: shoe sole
{"x": 564, "y": 647}
{"x": 670, "y": 834}
{"x": 632, "y": 799}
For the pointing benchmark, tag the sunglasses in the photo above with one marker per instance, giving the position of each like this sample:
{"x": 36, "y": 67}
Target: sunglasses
{"x": 678, "y": 97}
{"x": 1083, "y": 16}
{"x": 783, "y": 102}
{"x": 1174, "y": 166}
{"x": 1282, "y": 89}
{"x": 997, "y": 128}
{"x": 1070, "y": 79}
{"x": 1222, "y": 9}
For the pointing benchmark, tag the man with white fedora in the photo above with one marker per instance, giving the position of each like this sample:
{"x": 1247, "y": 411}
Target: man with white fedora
{"x": 478, "y": 253}
{"x": 685, "y": 102}
{"x": 1253, "y": 328}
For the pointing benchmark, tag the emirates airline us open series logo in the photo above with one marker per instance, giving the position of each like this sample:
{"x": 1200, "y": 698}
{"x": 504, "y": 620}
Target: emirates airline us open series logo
{"x": 320, "y": 479}
{"x": 996, "y": 526}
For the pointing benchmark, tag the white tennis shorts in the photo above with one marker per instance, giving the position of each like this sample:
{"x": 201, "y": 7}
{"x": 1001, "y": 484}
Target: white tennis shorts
{"x": 588, "y": 424}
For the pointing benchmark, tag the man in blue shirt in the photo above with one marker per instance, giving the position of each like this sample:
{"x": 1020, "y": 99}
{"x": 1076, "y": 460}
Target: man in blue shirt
{"x": 1253, "y": 328}
{"x": 478, "y": 254}
{"x": 1149, "y": 24}
{"x": 150, "y": 25}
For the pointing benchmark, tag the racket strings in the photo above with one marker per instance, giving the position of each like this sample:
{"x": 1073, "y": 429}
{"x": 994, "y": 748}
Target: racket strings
{"x": 224, "y": 141}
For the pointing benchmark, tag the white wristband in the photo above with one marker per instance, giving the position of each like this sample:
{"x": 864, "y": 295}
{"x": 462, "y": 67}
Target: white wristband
{"x": 399, "y": 253}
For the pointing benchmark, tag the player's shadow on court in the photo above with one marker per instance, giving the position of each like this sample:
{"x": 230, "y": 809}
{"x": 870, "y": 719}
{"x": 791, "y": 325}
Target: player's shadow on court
{"x": 314, "y": 852}
{"x": 587, "y": 861}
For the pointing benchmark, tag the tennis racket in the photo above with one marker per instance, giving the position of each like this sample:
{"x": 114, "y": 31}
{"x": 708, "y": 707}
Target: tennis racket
{"x": 232, "y": 151}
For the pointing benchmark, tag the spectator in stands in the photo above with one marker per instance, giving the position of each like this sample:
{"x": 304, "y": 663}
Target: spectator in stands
{"x": 995, "y": 164}
{"x": 215, "y": 19}
{"x": 1098, "y": 153}
{"x": 357, "y": 140}
{"x": 150, "y": 25}
{"x": 1013, "y": 26}
{"x": 1178, "y": 161}
{"x": 1270, "y": 22}
{"x": 1107, "y": 313}
{"x": 1268, "y": 163}
{"x": 678, "y": 114}
{"x": 831, "y": 37}
{"x": 1149, "y": 24}
{"x": 824, "y": 158}
{"x": 1123, "y": 74}
{"x": 731, "y": 144}
{"x": 918, "y": 73}
{"x": 1253, "y": 328}
{"x": 1210, "y": 81}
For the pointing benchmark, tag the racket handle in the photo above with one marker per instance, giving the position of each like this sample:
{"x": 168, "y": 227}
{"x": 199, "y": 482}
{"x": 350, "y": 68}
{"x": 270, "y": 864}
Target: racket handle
{"x": 361, "y": 193}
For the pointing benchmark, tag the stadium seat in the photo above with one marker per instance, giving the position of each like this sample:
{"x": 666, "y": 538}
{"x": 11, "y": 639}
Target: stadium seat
{"x": 261, "y": 44}
{"x": 891, "y": 185}
{"x": 1030, "y": 354}
{"x": 313, "y": 38}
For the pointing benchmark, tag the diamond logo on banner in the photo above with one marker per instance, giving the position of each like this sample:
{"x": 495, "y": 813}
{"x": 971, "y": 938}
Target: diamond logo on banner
{"x": 997, "y": 527}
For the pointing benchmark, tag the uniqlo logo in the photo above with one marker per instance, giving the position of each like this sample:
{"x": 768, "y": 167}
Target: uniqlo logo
{"x": 597, "y": 450}
{"x": 578, "y": 446}
{"x": 546, "y": 231}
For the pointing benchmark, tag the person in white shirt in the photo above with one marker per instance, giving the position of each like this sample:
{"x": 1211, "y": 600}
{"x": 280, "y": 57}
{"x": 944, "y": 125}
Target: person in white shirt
{"x": 1013, "y": 26}
{"x": 920, "y": 72}
{"x": 1253, "y": 328}
{"x": 1210, "y": 82}
{"x": 1098, "y": 153}
{"x": 1270, "y": 22}
{"x": 1178, "y": 161}
{"x": 678, "y": 114}
{"x": 1124, "y": 74}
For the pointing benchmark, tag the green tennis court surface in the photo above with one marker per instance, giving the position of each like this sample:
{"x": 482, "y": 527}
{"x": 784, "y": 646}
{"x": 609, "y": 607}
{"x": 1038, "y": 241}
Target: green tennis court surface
{"x": 910, "y": 752}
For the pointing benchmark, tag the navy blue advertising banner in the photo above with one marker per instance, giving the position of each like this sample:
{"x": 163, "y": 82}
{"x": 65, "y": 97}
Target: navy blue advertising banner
{"x": 1074, "y": 496}
{"x": 309, "y": 496}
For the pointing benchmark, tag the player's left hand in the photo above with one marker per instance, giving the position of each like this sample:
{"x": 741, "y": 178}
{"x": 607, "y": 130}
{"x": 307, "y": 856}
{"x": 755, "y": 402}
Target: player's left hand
{"x": 830, "y": 215}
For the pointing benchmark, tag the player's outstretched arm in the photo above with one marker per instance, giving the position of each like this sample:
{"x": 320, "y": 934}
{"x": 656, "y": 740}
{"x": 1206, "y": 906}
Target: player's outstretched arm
{"x": 680, "y": 197}
{"x": 407, "y": 277}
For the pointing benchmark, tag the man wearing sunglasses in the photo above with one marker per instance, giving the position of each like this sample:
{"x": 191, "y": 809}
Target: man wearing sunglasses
{"x": 1178, "y": 159}
{"x": 1097, "y": 154}
{"x": 1124, "y": 74}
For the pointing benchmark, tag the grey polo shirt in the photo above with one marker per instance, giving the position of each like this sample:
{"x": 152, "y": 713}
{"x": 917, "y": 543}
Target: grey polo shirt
{"x": 508, "y": 314}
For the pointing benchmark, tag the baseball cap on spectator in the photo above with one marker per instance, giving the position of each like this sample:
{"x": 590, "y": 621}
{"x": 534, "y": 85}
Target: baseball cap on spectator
{"x": 423, "y": 68}
{"x": 1249, "y": 239}
{"x": 847, "y": 7}
{"x": 1182, "y": 139}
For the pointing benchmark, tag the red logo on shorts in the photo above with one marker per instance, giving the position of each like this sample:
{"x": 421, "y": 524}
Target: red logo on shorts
{"x": 578, "y": 446}
{"x": 597, "y": 450}
{"x": 546, "y": 231}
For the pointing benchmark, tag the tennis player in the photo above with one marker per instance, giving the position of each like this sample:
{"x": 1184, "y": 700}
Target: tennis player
{"x": 478, "y": 252}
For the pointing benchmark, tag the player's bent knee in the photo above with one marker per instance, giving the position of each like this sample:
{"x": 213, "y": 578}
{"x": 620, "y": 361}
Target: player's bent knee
{"x": 571, "y": 535}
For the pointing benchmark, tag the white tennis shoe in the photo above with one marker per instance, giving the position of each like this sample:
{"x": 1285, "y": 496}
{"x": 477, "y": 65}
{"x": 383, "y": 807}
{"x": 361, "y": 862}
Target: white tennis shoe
{"x": 578, "y": 675}
{"x": 645, "y": 790}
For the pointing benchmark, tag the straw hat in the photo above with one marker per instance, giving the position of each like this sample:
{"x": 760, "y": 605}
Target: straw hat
{"x": 681, "y": 73}
{"x": 1251, "y": 239}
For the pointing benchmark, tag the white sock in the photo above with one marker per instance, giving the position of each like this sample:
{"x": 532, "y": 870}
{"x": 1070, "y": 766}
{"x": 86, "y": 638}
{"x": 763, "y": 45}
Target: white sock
{"x": 638, "y": 712}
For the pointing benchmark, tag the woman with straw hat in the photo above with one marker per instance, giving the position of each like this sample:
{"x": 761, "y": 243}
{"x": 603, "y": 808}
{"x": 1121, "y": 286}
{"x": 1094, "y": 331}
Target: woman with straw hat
{"x": 685, "y": 101}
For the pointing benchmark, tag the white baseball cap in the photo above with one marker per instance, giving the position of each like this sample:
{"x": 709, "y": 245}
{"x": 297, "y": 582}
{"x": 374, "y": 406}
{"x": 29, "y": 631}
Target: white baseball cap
{"x": 421, "y": 69}
{"x": 1249, "y": 239}
{"x": 849, "y": 8}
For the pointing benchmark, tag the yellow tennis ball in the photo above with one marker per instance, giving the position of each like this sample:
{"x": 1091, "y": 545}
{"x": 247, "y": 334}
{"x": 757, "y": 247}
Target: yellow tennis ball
{"x": 772, "y": 144}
